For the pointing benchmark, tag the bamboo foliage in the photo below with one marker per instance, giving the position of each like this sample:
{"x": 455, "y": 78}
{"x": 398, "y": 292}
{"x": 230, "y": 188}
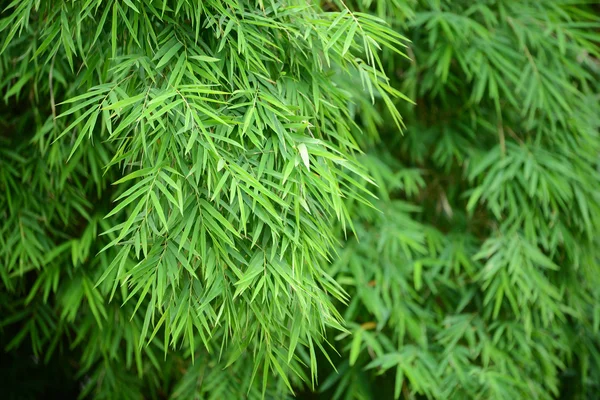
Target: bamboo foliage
{"x": 195, "y": 155}
{"x": 479, "y": 278}
{"x": 262, "y": 198}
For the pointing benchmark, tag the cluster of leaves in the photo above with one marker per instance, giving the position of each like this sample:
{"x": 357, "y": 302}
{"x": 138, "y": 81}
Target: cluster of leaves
{"x": 173, "y": 174}
{"x": 188, "y": 213}
{"x": 479, "y": 277}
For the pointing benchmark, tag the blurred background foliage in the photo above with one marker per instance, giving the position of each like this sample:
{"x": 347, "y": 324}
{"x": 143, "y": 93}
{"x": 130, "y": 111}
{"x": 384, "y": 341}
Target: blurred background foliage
{"x": 479, "y": 277}
{"x": 348, "y": 200}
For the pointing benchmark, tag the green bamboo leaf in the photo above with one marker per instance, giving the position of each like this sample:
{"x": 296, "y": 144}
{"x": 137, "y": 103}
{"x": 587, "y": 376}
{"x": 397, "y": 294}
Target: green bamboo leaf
{"x": 355, "y": 347}
{"x": 159, "y": 209}
{"x": 169, "y": 54}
